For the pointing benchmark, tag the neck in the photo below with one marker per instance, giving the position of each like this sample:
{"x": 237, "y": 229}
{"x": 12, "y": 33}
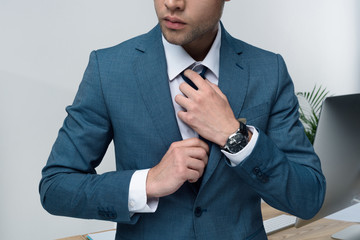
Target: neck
{"x": 199, "y": 48}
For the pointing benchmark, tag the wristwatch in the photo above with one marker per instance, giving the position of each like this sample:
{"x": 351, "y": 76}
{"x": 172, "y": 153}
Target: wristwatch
{"x": 238, "y": 140}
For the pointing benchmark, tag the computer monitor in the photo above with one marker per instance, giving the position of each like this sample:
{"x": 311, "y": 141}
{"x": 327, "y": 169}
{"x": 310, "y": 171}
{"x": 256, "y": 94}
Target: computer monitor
{"x": 337, "y": 143}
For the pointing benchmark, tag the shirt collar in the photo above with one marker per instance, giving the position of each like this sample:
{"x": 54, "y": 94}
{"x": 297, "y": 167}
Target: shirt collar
{"x": 178, "y": 59}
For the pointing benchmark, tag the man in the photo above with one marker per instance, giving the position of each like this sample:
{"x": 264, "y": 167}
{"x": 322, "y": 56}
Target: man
{"x": 187, "y": 168}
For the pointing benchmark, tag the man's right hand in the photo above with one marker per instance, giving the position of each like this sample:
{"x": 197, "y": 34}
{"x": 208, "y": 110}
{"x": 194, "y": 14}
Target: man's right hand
{"x": 184, "y": 161}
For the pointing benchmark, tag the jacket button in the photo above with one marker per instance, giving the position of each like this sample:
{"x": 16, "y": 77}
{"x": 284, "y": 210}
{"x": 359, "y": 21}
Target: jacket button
{"x": 198, "y": 212}
{"x": 256, "y": 170}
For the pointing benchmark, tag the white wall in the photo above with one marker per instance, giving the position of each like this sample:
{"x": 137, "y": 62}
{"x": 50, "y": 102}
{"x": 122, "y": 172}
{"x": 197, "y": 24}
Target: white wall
{"x": 320, "y": 40}
{"x": 44, "y": 48}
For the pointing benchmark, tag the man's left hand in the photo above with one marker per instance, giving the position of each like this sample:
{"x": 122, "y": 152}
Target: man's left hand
{"x": 207, "y": 110}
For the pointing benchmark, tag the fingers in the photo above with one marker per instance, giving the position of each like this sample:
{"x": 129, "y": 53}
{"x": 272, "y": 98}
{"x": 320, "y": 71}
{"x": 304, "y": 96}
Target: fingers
{"x": 186, "y": 89}
{"x": 196, "y": 168}
{"x": 184, "y": 161}
{"x": 183, "y": 101}
{"x": 216, "y": 89}
{"x": 194, "y": 176}
{"x": 191, "y": 142}
{"x": 191, "y": 93}
{"x": 197, "y": 152}
{"x": 195, "y": 78}
{"x": 197, "y": 161}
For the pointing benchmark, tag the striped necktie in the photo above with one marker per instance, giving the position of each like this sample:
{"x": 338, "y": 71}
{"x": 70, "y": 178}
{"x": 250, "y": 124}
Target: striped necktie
{"x": 197, "y": 184}
{"x": 188, "y": 81}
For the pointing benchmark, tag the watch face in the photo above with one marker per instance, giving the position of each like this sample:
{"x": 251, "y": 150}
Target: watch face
{"x": 237, "y": 142}
{"x": 235, "y": 149}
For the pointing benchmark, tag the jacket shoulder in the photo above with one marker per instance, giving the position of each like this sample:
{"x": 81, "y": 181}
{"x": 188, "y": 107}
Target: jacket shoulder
{"x": 257, "y": 53}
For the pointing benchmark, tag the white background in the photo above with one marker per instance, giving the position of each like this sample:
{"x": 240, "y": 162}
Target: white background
{"x": 44, "y": 49}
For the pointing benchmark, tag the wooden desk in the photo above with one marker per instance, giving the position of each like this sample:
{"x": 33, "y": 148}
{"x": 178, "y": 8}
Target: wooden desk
{"x": 319, "y": 230}
{"x": 80, "y": 237}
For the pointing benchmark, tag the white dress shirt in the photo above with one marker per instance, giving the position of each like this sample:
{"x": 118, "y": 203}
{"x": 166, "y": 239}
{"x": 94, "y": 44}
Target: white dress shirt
{"x": 177, "y": 61}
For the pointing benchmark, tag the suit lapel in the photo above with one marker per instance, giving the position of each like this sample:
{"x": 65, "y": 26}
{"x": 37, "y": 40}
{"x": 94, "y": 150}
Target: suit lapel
{"x": 233, "y": 78}
{"x": 233, "y": 82}
{"x": 151, "y": 75}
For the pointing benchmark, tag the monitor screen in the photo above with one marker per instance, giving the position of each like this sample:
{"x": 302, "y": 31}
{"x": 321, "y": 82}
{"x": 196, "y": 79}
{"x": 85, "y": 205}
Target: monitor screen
{"x": 337, "y": 143}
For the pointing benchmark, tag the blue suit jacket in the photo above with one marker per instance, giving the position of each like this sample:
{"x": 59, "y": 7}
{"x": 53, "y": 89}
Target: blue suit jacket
{"x": 124, "y": 96}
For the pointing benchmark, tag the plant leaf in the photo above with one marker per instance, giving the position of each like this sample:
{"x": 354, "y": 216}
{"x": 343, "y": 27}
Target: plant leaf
{"x": 310, "y": 117}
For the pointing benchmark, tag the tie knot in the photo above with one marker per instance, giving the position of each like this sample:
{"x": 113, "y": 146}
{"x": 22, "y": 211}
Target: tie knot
{"x": 200, "y": 69}
{"x": 197, "y": 68}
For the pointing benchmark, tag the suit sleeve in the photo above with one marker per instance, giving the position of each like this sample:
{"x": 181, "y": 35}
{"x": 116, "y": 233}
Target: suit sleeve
{"x": 70, "y": 185}
{"x": 283, "y": 168}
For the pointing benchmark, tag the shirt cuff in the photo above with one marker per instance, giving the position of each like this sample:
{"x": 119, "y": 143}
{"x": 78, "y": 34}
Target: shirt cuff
{"x": 237, "y": 158}
{"x": 138, "y": 202}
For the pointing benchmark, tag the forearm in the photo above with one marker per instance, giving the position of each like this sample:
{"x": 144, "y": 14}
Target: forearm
{"x": 91, "y": 196}
{"x": 290, "y": 182}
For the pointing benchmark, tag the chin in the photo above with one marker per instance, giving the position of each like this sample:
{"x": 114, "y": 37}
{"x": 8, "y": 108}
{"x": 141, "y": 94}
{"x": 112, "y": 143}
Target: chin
{"x": 173, "y": 39}
{"x": 173, "y": 36}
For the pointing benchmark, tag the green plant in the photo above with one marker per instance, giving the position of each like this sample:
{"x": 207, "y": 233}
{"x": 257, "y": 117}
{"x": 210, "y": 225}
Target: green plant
{"x": 310, "y": 106}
